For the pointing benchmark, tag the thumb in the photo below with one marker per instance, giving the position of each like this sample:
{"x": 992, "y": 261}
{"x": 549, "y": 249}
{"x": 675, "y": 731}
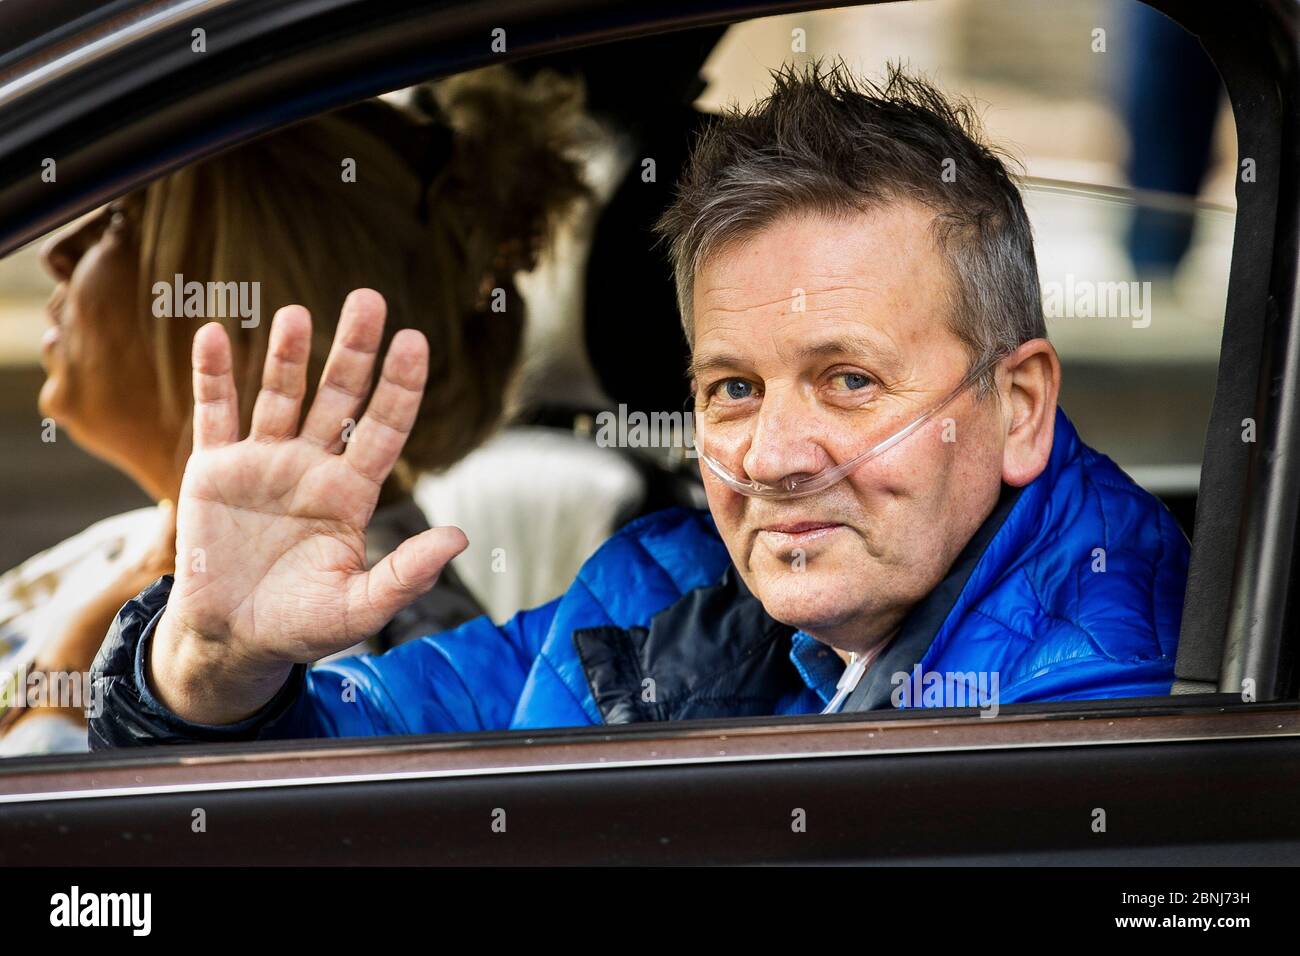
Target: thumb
{"x": 404, "y": 574}
{"x": 167, "y": 525}
{"x": 160, "y": 557}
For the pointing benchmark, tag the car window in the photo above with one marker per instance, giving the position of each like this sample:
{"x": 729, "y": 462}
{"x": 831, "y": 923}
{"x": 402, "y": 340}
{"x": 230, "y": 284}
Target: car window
{"x": 652, "y": 528}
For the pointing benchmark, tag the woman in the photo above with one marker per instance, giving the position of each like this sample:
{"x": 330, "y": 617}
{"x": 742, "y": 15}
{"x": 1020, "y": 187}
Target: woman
{"x": 437, "y": 208}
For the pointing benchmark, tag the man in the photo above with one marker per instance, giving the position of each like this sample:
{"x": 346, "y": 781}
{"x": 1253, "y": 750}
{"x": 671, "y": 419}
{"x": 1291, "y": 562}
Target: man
{"x": 893, "y": 492}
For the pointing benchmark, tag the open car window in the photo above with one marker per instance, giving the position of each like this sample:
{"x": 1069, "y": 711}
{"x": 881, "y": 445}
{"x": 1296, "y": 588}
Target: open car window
{"x": 557, "y": 411}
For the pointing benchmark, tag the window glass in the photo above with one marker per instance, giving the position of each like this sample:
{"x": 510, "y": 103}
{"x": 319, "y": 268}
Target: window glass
{"x": 860, "y": 475}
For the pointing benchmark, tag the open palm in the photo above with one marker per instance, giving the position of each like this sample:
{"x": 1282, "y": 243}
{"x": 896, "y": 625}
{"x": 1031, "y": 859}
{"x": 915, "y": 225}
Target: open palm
{"x": 270, "y": 530}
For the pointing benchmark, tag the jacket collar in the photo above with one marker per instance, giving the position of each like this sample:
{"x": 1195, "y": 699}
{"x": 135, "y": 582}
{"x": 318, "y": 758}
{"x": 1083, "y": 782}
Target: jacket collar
{"x": 714, "y": 653}
{"x": 1037, "y": 520}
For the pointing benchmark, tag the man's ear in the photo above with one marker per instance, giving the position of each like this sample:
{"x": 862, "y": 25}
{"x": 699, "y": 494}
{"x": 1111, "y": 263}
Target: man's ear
{"x": 1029, "y": 382}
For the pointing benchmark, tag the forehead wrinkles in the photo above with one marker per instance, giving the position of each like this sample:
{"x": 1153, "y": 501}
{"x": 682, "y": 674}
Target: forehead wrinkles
{"x": 851, "y": 310}
{"x": 888, "y": 264}
{"x": 818, "y": 292}
{"x": 843, "y": 307}
{"x": 874, "y": 269}
{"x": 737, "y": 300}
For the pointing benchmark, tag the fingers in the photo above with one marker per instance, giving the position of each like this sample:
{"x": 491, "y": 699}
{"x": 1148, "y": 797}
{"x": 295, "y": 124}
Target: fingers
{"x": 216, "y": 408}
{"x": 284, "y": 376}
{"x": 381, "y": 433}
{"x": 346, "y": 378}
{"x": 402, "y": 576}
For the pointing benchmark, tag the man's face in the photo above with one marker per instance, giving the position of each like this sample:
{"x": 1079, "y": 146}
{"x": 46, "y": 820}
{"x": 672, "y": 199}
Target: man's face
{"x": 815, "y": 339}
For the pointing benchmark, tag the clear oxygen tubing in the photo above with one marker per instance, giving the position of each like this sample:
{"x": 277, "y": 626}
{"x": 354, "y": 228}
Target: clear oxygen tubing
{"x": 852, "y": 676}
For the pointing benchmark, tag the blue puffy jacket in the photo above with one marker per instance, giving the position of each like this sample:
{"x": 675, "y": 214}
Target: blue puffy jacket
{"x": 1072, "y": 589}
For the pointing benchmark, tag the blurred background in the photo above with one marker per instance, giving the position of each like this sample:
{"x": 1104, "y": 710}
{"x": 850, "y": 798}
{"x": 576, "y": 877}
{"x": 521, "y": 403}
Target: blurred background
{"x": 1129, "y": 154}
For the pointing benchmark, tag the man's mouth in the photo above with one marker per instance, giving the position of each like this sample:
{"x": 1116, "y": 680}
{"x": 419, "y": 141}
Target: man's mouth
{"x": 798, "y": 533}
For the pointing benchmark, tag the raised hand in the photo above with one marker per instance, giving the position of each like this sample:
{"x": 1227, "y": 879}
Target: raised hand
{"x": 270, "y": 530}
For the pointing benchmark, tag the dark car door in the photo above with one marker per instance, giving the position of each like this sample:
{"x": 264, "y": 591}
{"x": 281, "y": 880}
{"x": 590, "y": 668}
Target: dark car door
{"x": 120, "y": 96}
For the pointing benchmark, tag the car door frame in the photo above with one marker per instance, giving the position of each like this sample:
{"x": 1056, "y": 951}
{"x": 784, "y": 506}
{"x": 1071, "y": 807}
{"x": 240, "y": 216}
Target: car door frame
{"x": 129, "y": 100}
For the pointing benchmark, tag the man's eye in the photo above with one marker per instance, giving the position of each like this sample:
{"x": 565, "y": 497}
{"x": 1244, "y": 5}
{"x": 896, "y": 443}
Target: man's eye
{"x": 737, "y": 389}
{"x": 853, "y": 380}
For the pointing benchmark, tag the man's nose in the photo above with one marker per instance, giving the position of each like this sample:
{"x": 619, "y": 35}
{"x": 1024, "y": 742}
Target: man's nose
{"x": 786, "y": 442}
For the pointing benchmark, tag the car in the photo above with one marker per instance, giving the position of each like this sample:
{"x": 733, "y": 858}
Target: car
{"x": 118, "y": 94}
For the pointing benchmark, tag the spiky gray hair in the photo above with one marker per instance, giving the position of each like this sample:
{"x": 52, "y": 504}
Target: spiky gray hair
{"x": 826, "y": 141}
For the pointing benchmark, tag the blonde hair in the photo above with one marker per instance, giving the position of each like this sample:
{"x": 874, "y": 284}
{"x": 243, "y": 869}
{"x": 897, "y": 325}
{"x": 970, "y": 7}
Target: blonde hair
{"x": 443, "y": 210}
